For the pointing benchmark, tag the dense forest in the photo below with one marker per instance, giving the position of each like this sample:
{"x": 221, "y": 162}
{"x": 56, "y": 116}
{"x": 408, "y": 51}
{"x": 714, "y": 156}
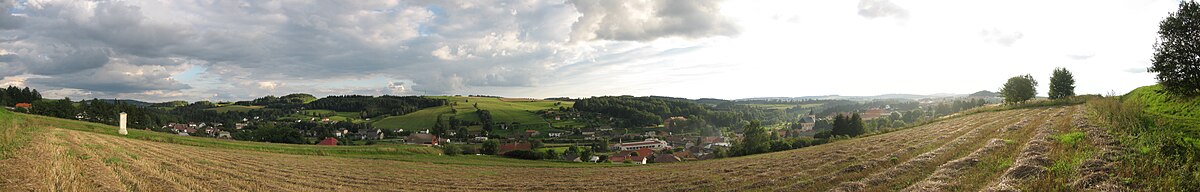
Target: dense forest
{"x": 12, "y": 95}
{"x": 632, "y": 111}
{"x": 290, "y": 101}
{"x": 375, "y": 106}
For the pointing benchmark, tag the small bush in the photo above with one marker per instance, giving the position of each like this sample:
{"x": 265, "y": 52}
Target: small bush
{"x": 1069, "y": 138}
{"x": 523, "y": 154}
{"x": 451, "y": 150}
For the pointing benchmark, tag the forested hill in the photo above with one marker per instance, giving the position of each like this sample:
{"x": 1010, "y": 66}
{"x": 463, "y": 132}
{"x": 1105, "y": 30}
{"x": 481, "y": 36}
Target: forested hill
{"x": 371, "y": 106}
{"x": 632, "y": 111}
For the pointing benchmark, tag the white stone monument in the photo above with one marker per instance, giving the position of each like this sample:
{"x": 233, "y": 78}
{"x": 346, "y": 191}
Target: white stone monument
{"x": 123, "y": 131}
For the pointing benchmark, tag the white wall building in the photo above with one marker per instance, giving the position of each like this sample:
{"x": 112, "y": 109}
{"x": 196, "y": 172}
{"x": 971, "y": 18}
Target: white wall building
{"x": 651, "y": 143}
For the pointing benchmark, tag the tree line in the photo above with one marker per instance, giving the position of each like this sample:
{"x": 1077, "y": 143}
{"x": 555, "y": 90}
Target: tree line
{"x": 371, "y": 106}
{"x": 12, "y": 95}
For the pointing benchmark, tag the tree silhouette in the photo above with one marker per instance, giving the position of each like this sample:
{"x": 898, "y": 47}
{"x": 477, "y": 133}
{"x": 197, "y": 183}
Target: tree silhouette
{"x": 1062, "y": 84}
{"x": 1177, "y": 54}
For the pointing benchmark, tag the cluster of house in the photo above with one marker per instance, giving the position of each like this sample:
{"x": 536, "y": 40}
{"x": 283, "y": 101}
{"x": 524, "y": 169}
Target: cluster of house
{"x": 422, "y": 138}
{"x": 660, "y": 151}
{"x": 202, "y": 129}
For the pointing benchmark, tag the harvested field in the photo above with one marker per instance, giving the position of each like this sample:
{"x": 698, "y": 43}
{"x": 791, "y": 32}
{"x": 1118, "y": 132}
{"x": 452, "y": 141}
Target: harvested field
{"x": 990, "y": 150}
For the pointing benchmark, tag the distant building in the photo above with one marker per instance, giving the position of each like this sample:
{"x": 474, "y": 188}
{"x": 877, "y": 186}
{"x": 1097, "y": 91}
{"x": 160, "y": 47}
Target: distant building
{"x": 666, "y": 158}
{"x": 224, "y": 135}
{"x": 370, "y": 134}
{"x": 588, "y": 131}
{"x": 873, "y": 113}
{"x": 422, "y": 139}
{"x": 651, "y": 143}
{"x": 329, "y": 141}
{"x": 640, "y": 156}
{"x": 572, "y": 157}
{"x": 673, "y": 122}
{"x": 27, "y": 106}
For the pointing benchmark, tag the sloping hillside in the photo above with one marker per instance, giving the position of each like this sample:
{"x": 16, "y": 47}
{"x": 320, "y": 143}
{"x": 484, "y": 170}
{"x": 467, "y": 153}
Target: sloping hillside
{"x": 991, "y": 150}
{"x": 1176, "y": 111}
{"x": 463, "y": 108}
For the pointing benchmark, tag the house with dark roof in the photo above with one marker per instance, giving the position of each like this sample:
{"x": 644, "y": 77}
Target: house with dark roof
{"x": 640, "y": 156}
{"x": 666, "y": 158}
{"x": 422, "y": 139}
{"x": 370, "y": 134}
{"x": 572, "y": 158}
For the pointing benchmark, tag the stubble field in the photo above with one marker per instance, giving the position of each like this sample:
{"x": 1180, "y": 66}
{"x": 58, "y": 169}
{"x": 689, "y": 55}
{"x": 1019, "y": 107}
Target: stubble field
{"x": 990, "y": 151}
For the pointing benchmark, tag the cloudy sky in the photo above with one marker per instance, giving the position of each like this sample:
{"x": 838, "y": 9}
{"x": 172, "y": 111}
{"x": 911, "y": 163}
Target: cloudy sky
{"x": 231, "y": 50}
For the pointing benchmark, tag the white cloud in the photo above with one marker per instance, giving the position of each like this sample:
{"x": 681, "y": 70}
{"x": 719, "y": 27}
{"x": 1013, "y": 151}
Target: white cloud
{"x": 880, "y": 9}
{"x": 541, "y": 48}
{"x": 997, "y": 36}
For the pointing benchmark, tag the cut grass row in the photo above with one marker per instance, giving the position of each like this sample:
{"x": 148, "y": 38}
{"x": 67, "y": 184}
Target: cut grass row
{"x": 12, "y": 136}
{"x": 85, "y": 158}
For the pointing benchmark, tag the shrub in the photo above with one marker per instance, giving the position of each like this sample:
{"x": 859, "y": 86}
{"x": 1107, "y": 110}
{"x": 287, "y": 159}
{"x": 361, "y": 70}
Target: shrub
{"x": 1175, "y": 55}
{"x": 1069, "y": 138}
{"x": 451, "y": 150}
{"x": 523, "y": 154}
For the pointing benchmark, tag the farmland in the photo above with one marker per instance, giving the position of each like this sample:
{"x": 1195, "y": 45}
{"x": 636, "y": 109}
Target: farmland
{"x": 237, "y": 108}
{"x": 1011, "y": 149}
{"x": 502, "y": 110}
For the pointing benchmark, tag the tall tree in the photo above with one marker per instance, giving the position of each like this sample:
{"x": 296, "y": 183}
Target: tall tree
{"x": 841, "y": 125}
{"x": 855, "y": 126}
{"x": 490, "y": 147}
{"x": 1019, "y": 89}
{"x": 1177, "y": 54}
{"x": 1062, "y": 84}
{"x": 755, "y": 140}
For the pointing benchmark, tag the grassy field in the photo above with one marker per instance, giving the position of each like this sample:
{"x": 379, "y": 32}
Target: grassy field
{"x": 237, "y": 108}
{"x": 1027, "y": 149}
{"x": 520, "y": 110}
{"x": 397, "y": 152}
{"x": 1154, "y": 139}
{"x": 1173, "y": 111}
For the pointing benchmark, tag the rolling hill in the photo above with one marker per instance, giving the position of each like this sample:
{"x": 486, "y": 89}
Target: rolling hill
{"x": 1027, "y": 149}
{"x": 504, "y": 110}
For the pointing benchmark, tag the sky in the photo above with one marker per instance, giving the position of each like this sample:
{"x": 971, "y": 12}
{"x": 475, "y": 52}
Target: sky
{"x": 221, "y": 50}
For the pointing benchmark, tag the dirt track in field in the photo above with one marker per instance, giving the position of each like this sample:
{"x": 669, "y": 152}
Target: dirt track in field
{"x": 926, "y": 158}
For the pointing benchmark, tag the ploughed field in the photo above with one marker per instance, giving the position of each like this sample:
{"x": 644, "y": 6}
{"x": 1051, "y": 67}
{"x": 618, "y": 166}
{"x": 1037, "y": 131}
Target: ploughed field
{"x": 1003, "y": 150}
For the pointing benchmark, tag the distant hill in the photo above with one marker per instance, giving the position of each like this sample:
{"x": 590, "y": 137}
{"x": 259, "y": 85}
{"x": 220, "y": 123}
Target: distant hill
{"x": 521, "y": 111}
{"x": 860, "y": 98}
{"x": 127, "y": 101}
{"x": 984, "y": 93}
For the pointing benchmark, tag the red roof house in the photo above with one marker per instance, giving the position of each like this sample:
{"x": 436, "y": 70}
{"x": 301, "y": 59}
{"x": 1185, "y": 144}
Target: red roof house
{"x": 329, "y": 141}
{"x": 24, "y": 105}
{"x": 640, "y": 156}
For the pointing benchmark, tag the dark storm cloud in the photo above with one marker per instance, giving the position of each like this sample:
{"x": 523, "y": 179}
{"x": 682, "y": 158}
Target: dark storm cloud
{"x": 114, "y": 47}
{"x": 7, "y": 19}
{"x": 114, "y": 78}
